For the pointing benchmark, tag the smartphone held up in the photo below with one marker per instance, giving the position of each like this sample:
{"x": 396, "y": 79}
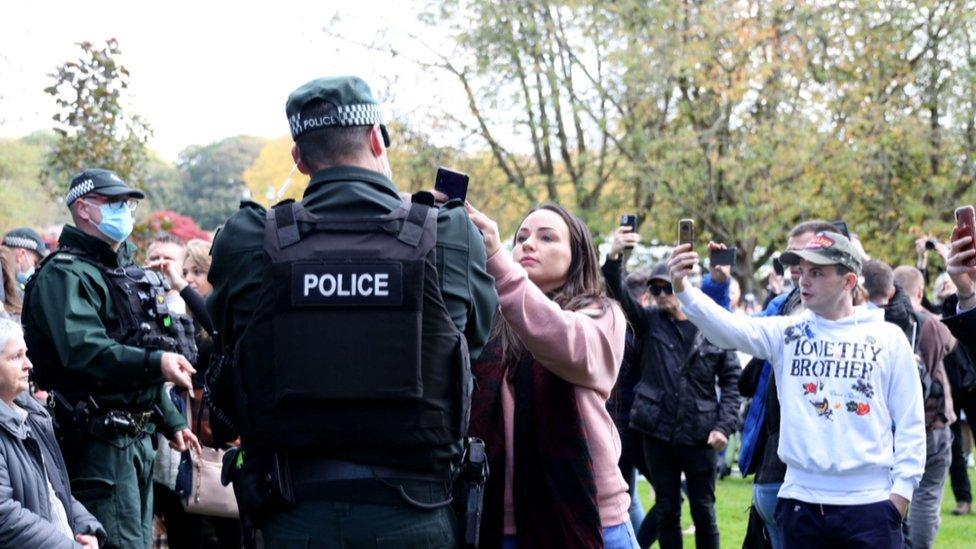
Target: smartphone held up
{"x": 686, "y": 232}
{"x": 966, "y": 221}
{"x": 452, "y": 183}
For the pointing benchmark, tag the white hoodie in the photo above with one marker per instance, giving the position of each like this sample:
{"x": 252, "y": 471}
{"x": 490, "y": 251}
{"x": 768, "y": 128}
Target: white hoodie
{"x": 843, "y": 387}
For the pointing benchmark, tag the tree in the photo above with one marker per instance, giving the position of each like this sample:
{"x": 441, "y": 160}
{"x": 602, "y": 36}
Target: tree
{"x": 212, "y": 178}
{"x": 266, "y": 177}
{"x": 94, "y": 130}
{"x": 23, "y": 201}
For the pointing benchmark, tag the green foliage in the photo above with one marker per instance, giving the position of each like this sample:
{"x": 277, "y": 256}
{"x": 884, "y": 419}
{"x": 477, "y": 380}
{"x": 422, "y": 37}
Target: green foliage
{"x": 748, "y": 117}
{"x": 93, "y": 128}
{"x": 212, "y": 183}
{"x": 23, "y": 200}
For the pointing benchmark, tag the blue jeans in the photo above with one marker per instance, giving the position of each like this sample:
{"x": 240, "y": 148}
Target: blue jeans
{"x": 620, "y": 536}
{"x": 764, "y": 498}
{"x": 636, "y": 510}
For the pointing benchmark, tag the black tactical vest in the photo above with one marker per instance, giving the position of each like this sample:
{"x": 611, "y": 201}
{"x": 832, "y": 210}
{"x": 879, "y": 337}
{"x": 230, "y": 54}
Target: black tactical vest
{"x": 351, "y": 348}
{"x": 142, "y": 319}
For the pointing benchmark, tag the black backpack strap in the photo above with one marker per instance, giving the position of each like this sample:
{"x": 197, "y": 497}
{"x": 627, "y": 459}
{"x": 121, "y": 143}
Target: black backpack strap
{"x": 413, "y": 226}
{"x": 286, "y": 226}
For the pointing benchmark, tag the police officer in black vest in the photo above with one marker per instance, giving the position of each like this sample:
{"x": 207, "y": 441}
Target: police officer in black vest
{"x": 351, "y": 317}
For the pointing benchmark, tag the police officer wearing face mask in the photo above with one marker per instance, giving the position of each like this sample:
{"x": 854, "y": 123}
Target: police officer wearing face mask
{"x": 352, "y": 315}
{"x": 29, "y": 249}
{"x": 103, "y": 342}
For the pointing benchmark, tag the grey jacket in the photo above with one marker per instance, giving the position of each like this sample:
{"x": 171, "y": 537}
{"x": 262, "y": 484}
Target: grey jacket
{"x": 25, "y": 512}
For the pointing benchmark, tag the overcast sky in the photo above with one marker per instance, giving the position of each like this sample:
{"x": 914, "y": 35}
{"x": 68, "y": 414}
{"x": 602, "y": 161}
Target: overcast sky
{"x": 204, "y": 70}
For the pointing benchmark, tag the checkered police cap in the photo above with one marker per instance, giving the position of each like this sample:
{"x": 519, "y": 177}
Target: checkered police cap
{"x": 353, "y": 100}
{"x": 25, "y": 238}
{"x": 103, "y": 182}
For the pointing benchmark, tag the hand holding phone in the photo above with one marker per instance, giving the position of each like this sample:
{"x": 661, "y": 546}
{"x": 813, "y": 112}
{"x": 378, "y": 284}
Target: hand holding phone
{"x": 722, "y": 257}
{"x": 629, "y": 220}
{"x": 961, "y": 263}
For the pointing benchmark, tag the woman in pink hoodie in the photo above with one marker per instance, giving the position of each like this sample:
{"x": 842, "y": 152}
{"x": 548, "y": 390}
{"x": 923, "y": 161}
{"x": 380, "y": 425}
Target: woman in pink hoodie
{"x": 542, "y": 383}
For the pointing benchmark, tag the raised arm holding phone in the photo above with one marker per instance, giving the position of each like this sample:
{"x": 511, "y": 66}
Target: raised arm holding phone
{"x": 844, "y": 378}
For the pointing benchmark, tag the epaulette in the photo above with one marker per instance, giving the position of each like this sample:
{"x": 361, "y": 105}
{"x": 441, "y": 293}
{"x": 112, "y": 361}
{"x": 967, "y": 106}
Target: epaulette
{"x": 63, "y": 258}
{"x": 250, "y": 204}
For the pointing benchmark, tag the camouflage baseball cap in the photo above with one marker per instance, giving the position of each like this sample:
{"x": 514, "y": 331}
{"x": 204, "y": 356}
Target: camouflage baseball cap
{"x": 826, "y": 248}
{"x": 353, "y": 100}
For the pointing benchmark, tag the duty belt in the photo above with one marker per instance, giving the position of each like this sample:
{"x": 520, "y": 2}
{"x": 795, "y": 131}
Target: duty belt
{"x": 119, "y": 422}
{"x": 323, "y": 478}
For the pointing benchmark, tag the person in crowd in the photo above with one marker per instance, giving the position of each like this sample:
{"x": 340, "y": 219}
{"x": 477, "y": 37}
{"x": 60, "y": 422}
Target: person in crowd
{"x": 962, "y": 378}
{"x": 189, "y": 279}
{"x": 367, "y": 396}
{"x": 959, "y": 315}
{"x": 10, "y": 291}
{"x": 167, "y": 249}
{"x": 677, "y": 408}
{"x": 760, "y": 431}
{"x": 36, "y": 505}
{"x": 932, "y": 343}
{"x": 878, "y": 283}
{"x": 104, "y": 347}
{"x": 924, "y": 245}
{"x": 29, "y": 249}
{"x": 621, "y": 400}
{"x": 852, "y": 421}
{"x": 542, "y": 386}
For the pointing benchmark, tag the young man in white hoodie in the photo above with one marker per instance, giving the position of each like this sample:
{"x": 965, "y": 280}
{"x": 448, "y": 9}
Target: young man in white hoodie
{"x": 852, "y": 428}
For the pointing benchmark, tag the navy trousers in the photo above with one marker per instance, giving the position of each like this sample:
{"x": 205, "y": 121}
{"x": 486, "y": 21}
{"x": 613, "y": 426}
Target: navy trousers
{"x": 812, "y": 525}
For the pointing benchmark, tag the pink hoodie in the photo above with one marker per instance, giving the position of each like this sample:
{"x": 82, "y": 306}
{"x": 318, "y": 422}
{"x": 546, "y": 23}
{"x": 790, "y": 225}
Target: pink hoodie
{"x": 583, "y": 347}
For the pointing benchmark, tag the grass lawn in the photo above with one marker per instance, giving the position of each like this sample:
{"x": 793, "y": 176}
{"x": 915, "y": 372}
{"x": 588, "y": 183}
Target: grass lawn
{"x": 734, "y": 495}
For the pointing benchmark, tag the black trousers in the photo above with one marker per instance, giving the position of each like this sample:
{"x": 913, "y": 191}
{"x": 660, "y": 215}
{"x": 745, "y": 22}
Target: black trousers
{"x": 958, "y": 476}
{"x": 666, "y": 462}
{"x": 815, "y": 526}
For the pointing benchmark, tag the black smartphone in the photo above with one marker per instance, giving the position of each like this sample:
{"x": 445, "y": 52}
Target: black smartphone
{"x": 686, "y": 232}
{"x": 841, "y": 227}
{"x": 722, "y": 257}
{"x": 629, "y": 220}
{"x": 453, "y": 184}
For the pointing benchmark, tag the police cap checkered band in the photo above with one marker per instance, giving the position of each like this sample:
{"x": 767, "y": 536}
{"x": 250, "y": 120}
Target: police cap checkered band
{"x": 344, "y": 116}
{"x": 18, "y": 242}
{"x": 26, "y": 238}
{"x": 77, "y": 192}
{"x": 351, "y": 96}
{"x": 103, "y": 182}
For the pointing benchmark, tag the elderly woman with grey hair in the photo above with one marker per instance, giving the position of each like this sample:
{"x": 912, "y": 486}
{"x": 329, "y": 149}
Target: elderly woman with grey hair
{"x": 36, "y": 506}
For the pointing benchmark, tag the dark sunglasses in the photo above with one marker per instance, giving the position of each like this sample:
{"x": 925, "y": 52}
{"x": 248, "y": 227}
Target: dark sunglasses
{"x": 658, "y": 290}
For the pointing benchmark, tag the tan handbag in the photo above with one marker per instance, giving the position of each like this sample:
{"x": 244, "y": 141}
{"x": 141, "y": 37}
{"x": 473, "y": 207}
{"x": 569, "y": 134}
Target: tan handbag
{"x": 207, "y": 495}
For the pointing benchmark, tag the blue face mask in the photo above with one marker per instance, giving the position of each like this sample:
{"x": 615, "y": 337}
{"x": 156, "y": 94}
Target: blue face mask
{"x": 23, "y": 277}
{"x": 116, "y": 222}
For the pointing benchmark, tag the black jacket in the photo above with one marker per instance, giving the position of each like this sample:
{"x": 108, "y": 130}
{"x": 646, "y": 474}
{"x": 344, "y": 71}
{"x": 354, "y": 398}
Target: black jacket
{"x": 961, "y": 363}
{"x": 676, "y": 398}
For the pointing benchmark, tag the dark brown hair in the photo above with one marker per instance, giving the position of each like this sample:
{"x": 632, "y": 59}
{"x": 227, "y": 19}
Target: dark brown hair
{"x": 583, "y": 288}
{"x": 813, "y": 226}
{"x": 11, "y": 290}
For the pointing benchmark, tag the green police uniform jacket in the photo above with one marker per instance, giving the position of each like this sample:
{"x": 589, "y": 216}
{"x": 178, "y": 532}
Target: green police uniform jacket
{"x": 69, "y": 306}
{"x": 347, "y": 192}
